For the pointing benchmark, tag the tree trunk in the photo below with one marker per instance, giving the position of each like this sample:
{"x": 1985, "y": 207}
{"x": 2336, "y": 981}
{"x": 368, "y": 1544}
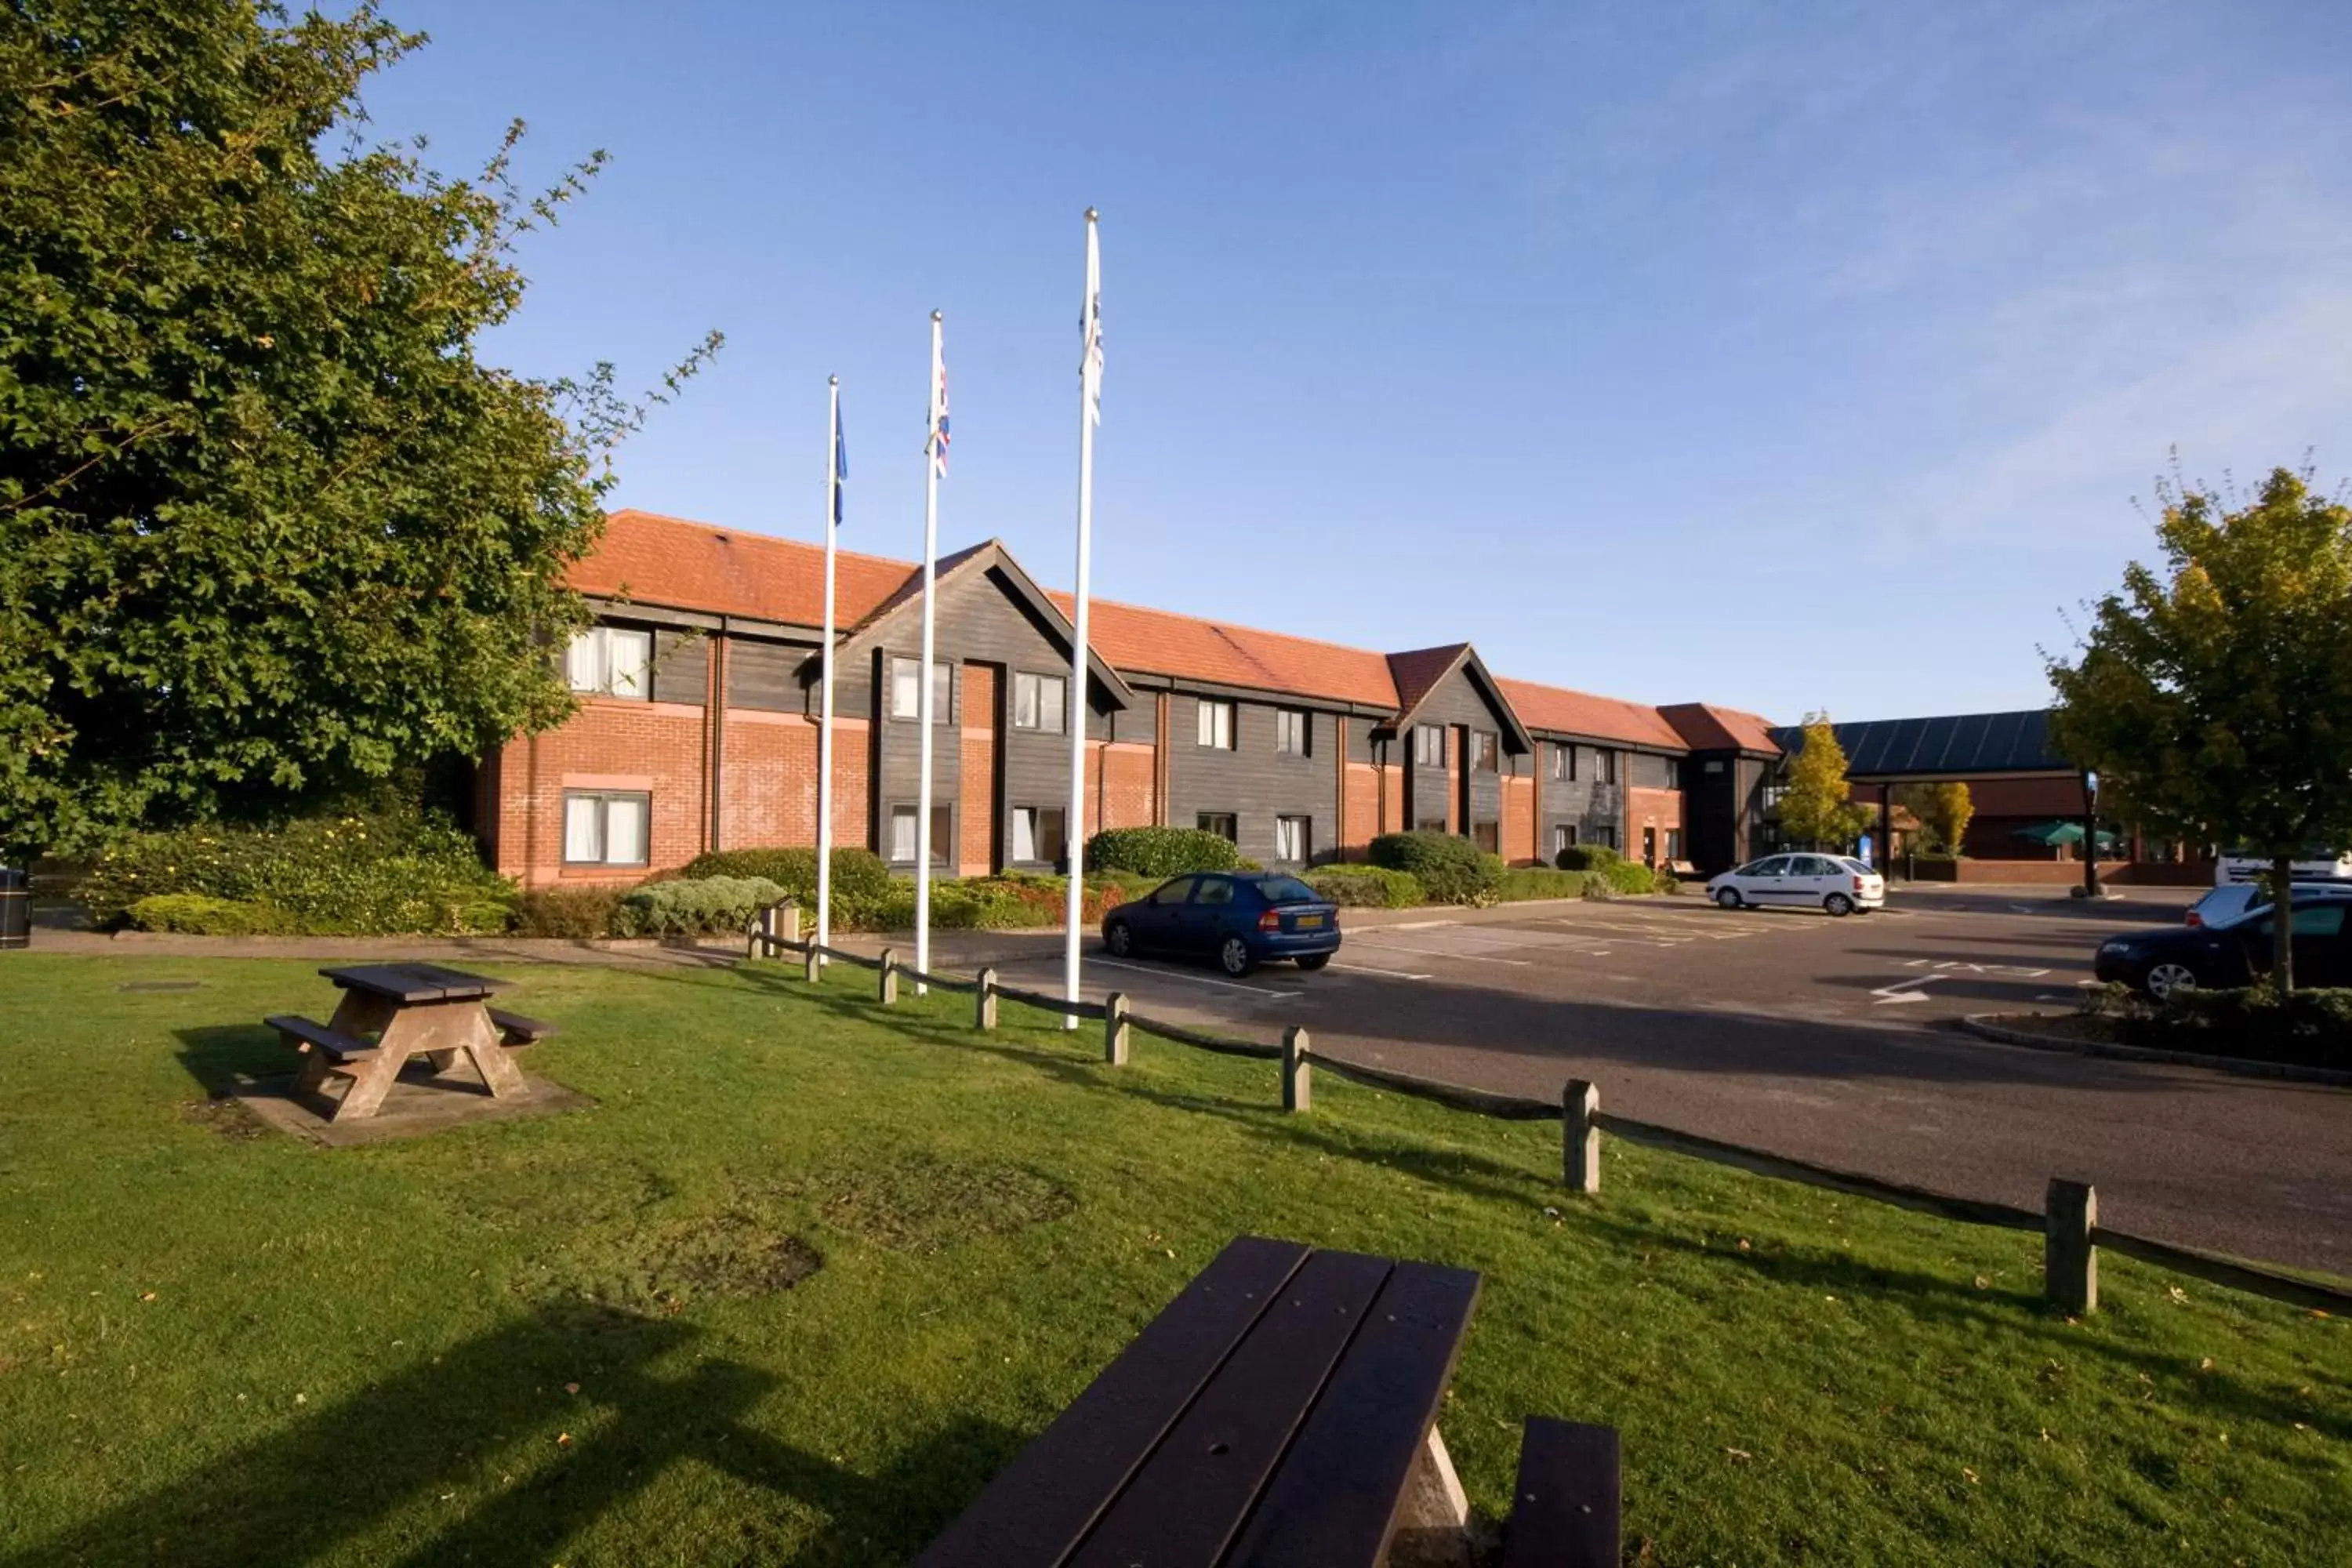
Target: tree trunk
{"x": 2282, "y": 923}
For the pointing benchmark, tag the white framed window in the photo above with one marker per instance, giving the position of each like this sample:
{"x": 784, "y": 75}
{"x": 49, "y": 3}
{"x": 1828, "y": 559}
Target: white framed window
{"x": 1037, "y": 834}
{"x": 611, "y": 661}
{"x": 906, "y": 695}
{"x": 1485, "y": 751}
{"x": 606, "y": 827}
{"x": 1292, "y": 730}
{"x": 903, "y": 820}
{"x": 1606, "y": 769}
{"x": 1428, "y": 746}
{"x": 1040, "y": 702}
{"x": 1216, "y": 724}
{"x": 1224, "y": 824}
{"x": 1563, "y": 762}
{"x": 1294, "y": 840}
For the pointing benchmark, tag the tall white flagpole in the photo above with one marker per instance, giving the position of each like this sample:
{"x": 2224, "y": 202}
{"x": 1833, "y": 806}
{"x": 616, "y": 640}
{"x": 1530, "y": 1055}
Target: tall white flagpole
{"x": 1074, "y": 837}
{"x": 824, "y": 731}
{"x": 931, "y": 456}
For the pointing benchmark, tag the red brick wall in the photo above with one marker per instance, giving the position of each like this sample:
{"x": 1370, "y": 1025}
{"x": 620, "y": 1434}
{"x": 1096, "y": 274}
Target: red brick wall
{"x": 1454, "y": 779}
{"x": 770, "y": 769}
{"x": 659, "y": 747}
{"x": 1361, "y": 822}
{"x": 1658, "y": 808}
{"x": 1520, "y": 829}
{"x": 1125, "y": 775}
{"x": 976, "y": 852}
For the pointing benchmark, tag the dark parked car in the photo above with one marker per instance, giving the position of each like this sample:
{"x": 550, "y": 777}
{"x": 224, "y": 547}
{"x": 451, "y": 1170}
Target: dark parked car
{"x": 1241, "y": 918}
{"x": 2187, "y": 958}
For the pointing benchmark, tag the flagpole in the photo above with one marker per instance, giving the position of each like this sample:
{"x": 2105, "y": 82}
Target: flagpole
{"x": 923, "y": 699}
{"x": 1074, "y": 832}
{"x": 824, "y": 731}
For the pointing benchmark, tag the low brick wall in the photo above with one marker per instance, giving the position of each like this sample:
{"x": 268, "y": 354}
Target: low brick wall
{"x": 2064, "y": 873}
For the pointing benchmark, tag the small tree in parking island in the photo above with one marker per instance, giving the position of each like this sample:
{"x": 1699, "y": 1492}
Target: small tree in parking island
{"x": 1943, "y": 810}
{"x": 2214, "y": 699}
{"x": 269, "y": 529}
{"x": 1816, "y": 806}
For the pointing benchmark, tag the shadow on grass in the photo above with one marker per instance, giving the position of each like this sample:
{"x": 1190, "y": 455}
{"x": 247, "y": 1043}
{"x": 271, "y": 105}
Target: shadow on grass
{"x": 436, "y": 1453}
{"x": 218, "y": 1056}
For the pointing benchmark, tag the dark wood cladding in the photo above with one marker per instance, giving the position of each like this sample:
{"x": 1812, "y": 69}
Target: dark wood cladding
{"x": 766, "y": 676}
{"x": 1586, "y": 802}
{"x": 681, "y": 667}
{"x": 1253, "y": 781}
{"x": 1458, "y": 704}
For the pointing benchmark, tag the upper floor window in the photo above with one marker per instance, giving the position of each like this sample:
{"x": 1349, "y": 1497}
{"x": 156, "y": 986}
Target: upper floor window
{"x": 1674, "y": 775}
{"x": 1291, "y": 728}
{"x": 1040, "y": 702}
{"x": 1485, "y": 751}
{"x": 1216, "y": 722}
{"x": 1605, "y": 769}
{"x": 611, "y": 661}
{"x": 1563, "y": 762}
{"x": 1428, "y": 746}
{"x": 907, "y": 692}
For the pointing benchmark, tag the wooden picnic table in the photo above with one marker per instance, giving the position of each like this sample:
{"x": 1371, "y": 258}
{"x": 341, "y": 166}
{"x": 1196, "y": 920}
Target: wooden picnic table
{"x": 1281, "y": 1411}
{"x": 393, "y": 1013}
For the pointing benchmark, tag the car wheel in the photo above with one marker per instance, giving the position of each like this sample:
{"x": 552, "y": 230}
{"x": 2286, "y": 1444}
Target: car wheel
{"x": 1233, "y": 956}
{"x": 1727, "y": 897}
{"x": 1314, "y": 960}
{"x": 1118, "y": 938}
{"x": 1838, "y": 904}
{"x": 2166, "y": 979}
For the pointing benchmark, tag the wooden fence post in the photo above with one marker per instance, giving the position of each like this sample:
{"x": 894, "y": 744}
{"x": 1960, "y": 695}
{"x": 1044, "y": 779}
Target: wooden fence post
{"x": 1580, "y": 1137}
{"x": 887, "y": 987}
{"x": 2070, "y": 1264}
{"x": 792, "y": 923}
{"x": 811, "y": 966}
{"x": 1297, "y": 1072}
{"x": 984, "y": 1001}
{"x": 760, "y": 943}
{"x": 1115, "y": 1029}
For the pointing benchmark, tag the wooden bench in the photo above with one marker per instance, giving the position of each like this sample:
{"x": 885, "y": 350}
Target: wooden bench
{"x": 515, "y": 1031}
{"x": 1283, "y": 1409}
{"x": 1564, "y": 1510}
{"x": 306, "y": 1035}
{"x": 1681, "y": 869}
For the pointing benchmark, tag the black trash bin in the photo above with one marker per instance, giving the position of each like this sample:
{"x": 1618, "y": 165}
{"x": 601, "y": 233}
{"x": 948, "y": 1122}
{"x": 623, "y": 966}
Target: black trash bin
{"x": 16, "y": 908}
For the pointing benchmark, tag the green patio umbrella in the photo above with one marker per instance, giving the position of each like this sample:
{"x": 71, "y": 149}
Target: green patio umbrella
{"x": 2049, "y": 835}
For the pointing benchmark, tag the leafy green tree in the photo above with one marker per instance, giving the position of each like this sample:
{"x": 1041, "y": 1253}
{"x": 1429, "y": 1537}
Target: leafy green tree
{"x": 1816, "y": 806}
{"x": 268, "y": 529}
{"x": 2214, "y": 698}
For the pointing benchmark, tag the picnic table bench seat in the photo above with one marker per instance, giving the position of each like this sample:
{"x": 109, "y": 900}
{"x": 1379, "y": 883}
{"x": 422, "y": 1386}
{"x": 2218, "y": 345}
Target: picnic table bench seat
{"x": 1281, "y": 1411}
{"x": 515, "y": 1031}
{"x": 1564, "y": 1510}
{"x": 308, "y": 1034}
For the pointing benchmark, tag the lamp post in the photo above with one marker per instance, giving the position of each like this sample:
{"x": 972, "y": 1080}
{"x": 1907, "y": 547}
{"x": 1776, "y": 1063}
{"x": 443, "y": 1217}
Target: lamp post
{"x": 2090, "y": 834}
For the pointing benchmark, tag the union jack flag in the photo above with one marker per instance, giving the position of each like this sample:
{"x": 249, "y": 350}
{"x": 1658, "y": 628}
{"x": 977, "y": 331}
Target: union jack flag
{"x": 938, "y": 444}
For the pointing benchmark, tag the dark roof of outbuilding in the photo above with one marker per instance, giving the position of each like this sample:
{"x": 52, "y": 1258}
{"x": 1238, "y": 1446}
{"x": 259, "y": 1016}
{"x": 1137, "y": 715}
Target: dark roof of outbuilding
{"x": 1945, "y": 747}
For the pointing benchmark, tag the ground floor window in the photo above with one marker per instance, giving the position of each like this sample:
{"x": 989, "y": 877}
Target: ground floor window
{"x": 1563, "y": 836}
{"x": 902, "y": 834}
{"x": 606, "y": 827}
{"x": 1605, "y": 836}
{"x": 1673, "y": 843}
{"x": 1487, "y": 836}
{"x": 1294, "y": 840}
{"x": 1224, "y": 824}
{"x": 1430, "y": 825}
{"x": 1037, "y": 834}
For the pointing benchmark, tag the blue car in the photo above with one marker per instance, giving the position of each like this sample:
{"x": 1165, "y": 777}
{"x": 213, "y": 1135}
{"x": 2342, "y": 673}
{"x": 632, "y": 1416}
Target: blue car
{"x": 1241, "y": 918}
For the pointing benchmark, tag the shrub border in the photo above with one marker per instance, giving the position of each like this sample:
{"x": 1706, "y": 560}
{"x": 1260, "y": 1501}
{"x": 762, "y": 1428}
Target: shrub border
{"x": 1987, "y": 1025}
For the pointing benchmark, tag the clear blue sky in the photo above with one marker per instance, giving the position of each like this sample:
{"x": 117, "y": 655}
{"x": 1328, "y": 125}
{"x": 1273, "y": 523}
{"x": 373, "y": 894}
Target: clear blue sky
{"x": 1779, "y": 355}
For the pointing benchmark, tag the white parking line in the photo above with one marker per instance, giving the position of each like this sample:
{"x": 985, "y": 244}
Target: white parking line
{"x": 1195, "y": 979}
{"x": 1441, "y": 952}
{"x": 1367, "y": 969}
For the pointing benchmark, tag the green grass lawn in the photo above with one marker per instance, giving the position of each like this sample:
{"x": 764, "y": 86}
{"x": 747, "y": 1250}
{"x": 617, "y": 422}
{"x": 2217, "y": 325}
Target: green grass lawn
{"x": 810, "y": 1273}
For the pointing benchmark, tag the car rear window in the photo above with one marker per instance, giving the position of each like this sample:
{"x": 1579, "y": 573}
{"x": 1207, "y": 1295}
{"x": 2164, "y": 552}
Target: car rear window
{"x": 1287, "y": 891}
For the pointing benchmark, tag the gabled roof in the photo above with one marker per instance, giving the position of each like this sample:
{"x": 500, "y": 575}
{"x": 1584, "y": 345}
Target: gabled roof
{"x": 990, "y": 557}
{"x": 1557, "y": 709}
{"x": 1186, "y": 647}
{"x": 1705, "y": 727}
{"x": 1945, "y": 747}
{"x": 654, "y": 560}
{"x": 1421, "y": 671}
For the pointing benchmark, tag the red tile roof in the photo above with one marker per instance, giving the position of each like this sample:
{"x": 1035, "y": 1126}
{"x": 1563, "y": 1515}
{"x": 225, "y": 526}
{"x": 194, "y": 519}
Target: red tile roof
{"x": 655, "y": 560}
{"x": 1573, "y": 713}
{"x": 1706, "y": 728}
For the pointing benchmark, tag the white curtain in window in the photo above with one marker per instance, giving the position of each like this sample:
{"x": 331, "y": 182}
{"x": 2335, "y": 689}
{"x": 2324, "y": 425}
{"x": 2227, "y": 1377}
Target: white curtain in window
{"x": 1286, "y": 838}
{"x": 584, "y": 839}
{"x": 904, "y": 693}
{"x": 631, "y": 658}
{"x": 625, "y": 831}
{"x": 1024, "y": 702}
{"x": 1024, "y": 834}
{"x": 580, "y": 662}
{"x": 902, "y": 833}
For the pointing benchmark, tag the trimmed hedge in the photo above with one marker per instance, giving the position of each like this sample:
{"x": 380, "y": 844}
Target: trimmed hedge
{"x": 2312, "y": 1027}
{"x": 1371, "y": 887}
{"x": 1543, "y": 882}
{"x": 1587, "y": 858}
{"x": 384, "y": 872}
{"x": 200, "y": 914}
{"x": 1160, "y": 852}
{"x": 575, "y": 913}
{"x": 857, "y": 873}
{"x": 1452, "y": 870}
{"x": 703, "y": 906}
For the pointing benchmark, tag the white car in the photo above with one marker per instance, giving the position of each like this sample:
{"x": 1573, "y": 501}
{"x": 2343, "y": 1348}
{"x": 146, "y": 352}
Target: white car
{"x": 1833, "y": 882}
{"x": 2316, "y": 866}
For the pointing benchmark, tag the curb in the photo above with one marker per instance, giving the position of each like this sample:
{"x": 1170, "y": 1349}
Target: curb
{"x": 1982, "y": 1025}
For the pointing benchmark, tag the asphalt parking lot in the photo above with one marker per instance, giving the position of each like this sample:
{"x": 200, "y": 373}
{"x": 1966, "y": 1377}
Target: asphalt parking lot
{"x": 1831, "y": 1040}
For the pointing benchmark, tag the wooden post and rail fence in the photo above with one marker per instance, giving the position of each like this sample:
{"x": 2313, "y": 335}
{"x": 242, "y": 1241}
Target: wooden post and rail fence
{"x": 2068, "y": 1221}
